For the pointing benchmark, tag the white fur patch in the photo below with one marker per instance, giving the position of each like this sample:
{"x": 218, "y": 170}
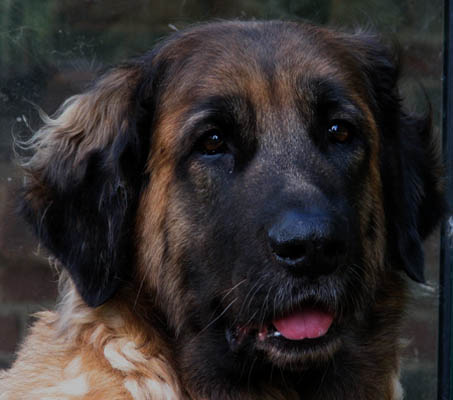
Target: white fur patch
{"x": 117, "y": 360}
{"x": 54, "y": 398}
{"x": 149, "y": 389}
{"x": 96, "y": 333}
{"x": 74, "y": 367}
{"x": 70, "y": 387}
{"x": 134, "y": 389}
{"x": 160, "y": 390}
{"x": 131, "y": 352}
{"x": 74, "y": 387}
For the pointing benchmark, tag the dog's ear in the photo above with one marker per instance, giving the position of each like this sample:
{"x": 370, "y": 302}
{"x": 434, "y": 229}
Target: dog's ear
{"x": 83, "y": 180}
{"x": 411, "y": 165}
{"x": 412, "y": 183}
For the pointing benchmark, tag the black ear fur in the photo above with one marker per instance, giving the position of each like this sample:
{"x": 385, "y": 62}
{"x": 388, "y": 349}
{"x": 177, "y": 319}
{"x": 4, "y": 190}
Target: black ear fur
{"x": 417, "y": 202}
{"x": 411, "y": 166}
{"x": 84, "y": 179}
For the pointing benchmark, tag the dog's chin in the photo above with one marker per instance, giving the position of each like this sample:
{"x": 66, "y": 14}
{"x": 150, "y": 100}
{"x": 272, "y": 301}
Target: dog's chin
{"x": 295, "y": 341}
{"x": 298, "y": 354}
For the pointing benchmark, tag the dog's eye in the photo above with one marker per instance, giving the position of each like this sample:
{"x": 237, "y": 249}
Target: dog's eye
{"x": 340, "y": 132}
{"x": 212, "y": 143}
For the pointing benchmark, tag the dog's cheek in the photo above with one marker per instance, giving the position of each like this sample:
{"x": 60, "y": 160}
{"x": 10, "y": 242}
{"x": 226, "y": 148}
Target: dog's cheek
{"x": 191, "y": 245}
{"x": 204, "y": 196}
{"x": 372, "y": 234}
{"x": 157, "y": 274}
{"x": 371, "y": 207}
{"x": 206, "y": 178}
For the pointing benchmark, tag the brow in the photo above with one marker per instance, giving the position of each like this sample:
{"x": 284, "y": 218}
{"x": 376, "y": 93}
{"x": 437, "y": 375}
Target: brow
{"x": 329, "y": 94}
{"x": 225, "y": 109}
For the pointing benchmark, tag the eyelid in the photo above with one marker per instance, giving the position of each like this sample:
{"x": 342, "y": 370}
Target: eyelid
{"x": 207, "y": 128}
{"x": 195, "y": 131}
{"x": 349, "y": 113}
{"x": 195, "y": 120}
{"x": 348, "y": 123}
{"x": 352, "y": 119}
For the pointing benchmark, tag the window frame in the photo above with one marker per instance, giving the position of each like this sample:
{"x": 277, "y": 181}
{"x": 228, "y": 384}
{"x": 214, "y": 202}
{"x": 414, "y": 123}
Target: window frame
{"x": 445, "y": 370}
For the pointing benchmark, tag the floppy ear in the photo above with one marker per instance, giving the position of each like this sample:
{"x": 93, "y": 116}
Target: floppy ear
{"x": 413, "y": 190}
{"x": 411, "y": 166}
{"x": 83, "y": 181}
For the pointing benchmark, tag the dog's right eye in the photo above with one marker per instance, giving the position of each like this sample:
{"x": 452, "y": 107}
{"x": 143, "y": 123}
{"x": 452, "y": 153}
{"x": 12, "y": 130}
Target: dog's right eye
{"x": 212, "y": 143}
{"x": 340, "y": 132}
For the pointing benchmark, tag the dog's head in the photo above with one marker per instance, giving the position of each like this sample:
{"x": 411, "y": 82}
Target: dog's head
{"x": 259, "y": 181}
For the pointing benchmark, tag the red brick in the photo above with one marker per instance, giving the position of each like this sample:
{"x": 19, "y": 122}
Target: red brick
{"x": 10, "y": 333}
{"x": 16, "y": 238}
{"x": 33, "y": 283}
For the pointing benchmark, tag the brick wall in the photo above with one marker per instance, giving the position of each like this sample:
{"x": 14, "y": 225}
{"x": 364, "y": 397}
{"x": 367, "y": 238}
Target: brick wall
{"x": 27, "y": 283}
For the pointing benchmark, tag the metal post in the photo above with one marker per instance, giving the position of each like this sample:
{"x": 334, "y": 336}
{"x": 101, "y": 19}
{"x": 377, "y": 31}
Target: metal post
{"x": 445, "y": 373}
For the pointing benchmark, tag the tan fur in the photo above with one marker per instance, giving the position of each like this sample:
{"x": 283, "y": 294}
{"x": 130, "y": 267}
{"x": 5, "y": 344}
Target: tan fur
{"x": 82, "y": 353}
{"x": 82, "y": 124}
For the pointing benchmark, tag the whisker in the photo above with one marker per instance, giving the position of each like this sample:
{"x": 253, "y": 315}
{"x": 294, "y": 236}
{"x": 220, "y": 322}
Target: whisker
{"x": 226, "y": 295}
{"x": 218, "y": 317}
{"x": 250, "y": 372}
{"x": 257, "y": 283}
{"x": 251, "y": 318}
{"x": 233, "y": 288}
{"x": 253, "y": 296}
{"x": 265, "y": 307}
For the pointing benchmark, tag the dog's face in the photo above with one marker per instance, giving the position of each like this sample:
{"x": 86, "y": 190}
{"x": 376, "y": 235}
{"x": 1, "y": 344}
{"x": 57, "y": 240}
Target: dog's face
{"x": 259, "y": 181}
{"x": 273, "y": 152}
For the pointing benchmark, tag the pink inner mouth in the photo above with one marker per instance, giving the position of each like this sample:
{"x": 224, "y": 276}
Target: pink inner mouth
{"x": 309, "y": 323}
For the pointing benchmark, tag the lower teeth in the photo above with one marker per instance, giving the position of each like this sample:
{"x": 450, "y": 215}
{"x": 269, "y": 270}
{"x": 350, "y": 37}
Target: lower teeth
{"x": 267, "y": 335}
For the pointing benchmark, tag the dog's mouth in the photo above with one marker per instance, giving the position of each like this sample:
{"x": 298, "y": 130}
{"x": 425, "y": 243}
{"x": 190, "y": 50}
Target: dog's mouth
{"x": 291, "y": 336}
{"x": 308, "y": 323}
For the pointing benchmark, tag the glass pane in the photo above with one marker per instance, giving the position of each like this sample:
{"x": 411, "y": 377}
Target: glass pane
{"x": 50, "y": 49}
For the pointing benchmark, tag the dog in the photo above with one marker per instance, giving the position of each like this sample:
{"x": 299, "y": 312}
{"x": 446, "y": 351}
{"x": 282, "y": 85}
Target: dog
{"x": 236, "y": 215}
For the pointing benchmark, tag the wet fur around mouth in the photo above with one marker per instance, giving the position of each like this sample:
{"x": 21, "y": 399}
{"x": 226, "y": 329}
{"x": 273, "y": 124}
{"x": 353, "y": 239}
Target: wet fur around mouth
{"x": 240, "y": 175}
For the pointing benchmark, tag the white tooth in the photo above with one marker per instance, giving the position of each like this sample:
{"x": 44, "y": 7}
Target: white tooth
{"x": 275, "y": 334}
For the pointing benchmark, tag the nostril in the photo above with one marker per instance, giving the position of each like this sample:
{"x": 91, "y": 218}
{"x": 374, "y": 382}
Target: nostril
{"x": 308, "y": 243}
{"x": 333, "y": 249}
{"x": 291, "y": 250}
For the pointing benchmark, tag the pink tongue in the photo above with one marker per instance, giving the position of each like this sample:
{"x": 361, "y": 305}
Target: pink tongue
{"x": 306, "y": 324}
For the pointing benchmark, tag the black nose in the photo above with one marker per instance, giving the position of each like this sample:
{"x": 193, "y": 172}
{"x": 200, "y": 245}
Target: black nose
{"x": 307, "y": 243}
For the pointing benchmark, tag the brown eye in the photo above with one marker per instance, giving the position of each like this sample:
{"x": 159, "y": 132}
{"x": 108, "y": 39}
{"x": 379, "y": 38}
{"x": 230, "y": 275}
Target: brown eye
{"x": 339, "y": 132}
{"x": 212, "y": 143}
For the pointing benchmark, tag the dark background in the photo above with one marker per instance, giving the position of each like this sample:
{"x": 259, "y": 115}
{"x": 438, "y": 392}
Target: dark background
{"x": 51, "y": 49}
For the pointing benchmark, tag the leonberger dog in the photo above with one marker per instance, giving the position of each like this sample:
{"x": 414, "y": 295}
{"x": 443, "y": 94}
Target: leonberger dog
{"x": 234, "y": 214}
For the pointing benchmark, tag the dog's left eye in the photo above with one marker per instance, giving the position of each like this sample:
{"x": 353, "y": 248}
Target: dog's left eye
{"x": 212, "y": 143}
{"x": 340, "y": 131}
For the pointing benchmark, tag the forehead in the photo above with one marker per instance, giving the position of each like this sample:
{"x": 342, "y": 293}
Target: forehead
{"x": 262, "y": 61}
{"x": 274, "y": 67}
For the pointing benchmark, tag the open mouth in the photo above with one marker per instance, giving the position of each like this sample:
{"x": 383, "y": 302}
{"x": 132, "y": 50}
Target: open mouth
{"x": 295, "y": 333}
{"x": 309, "y": 323}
